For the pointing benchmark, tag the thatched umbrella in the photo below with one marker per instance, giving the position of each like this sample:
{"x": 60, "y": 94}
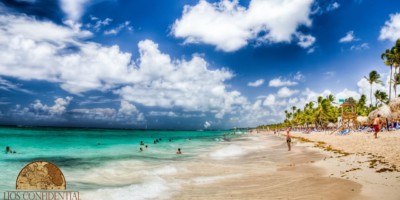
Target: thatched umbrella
{"x": 362, "y": 120}
{"x": 395, "y": 115}
{"x": 395, "y": 105}
{"x": 384, "y": 111}
{"x": 331, "y": 125}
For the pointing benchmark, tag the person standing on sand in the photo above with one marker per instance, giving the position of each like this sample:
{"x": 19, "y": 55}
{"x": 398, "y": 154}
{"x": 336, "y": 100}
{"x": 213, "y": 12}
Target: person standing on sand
{"x": 288, "y": 138}
{"x": 377, "y": 125}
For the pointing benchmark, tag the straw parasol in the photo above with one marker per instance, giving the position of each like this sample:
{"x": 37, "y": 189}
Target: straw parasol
{"x": 384, "y": 111}
{"x": 395, "y": 105}
{"x": 331, "y": 125}
{"x": 362, "y": 120}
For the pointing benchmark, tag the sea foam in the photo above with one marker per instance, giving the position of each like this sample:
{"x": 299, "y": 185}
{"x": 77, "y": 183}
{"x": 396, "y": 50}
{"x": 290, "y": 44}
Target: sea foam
{"x": 155, "y": 188}
{"x": 231, "y": 151}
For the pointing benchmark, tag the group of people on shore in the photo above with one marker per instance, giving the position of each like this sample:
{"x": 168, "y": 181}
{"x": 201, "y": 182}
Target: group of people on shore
{"x": 155, "y": 142}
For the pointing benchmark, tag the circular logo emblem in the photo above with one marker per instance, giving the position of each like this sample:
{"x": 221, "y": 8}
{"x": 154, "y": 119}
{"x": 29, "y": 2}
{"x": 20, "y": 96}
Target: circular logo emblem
{"x": 41, "y": 175}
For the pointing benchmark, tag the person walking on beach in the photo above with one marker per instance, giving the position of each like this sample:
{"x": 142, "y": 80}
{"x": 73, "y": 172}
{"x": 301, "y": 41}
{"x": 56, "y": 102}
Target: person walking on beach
{"x": 377, "y": 125}
{"x": 289, "y": 138}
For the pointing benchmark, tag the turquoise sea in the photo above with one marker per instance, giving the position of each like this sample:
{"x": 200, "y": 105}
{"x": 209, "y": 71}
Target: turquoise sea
{"x": 95, "y": 160}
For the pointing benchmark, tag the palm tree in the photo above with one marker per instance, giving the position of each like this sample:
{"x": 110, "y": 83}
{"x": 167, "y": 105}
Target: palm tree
{"x": 388, "y": 58}
{"x": 373, "y": 77}
{"x": 381, "y": 96}
{"x": 396, "y": 81}
{"x": 376, "y": 94}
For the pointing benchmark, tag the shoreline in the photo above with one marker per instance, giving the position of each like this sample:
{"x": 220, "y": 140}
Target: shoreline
{"x": 268, "y": 173}
{"x": 358, "y": 157}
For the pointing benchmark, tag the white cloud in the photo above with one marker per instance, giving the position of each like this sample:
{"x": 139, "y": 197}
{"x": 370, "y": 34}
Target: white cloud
{"x": 359, "y": 47}
{"x": 58, "y": 108}
{"x": 207, "y": 124}
{"x": 190, "y": 85}
{"x": 347, "y": 94}
{"x": 311, "y": 50}
{"x": 349, "y": 37}
{"x": 333, "y": 6}
{"x": 256, "y": 83}
{"x": 365, "y": 88}
{"x": 269, "y": 100}
{"x": 127, "y": 113}
{"x": 279, "y": 82}
{"x": 230, "y": 26}
{"x": 286, "y": 92}
{"x": 127, "y": 108}
{"x": 9, "y": 86}
{"x": 391, "y": 29}
{"x": 163, "y": 113}
{"x": 99, "y": 24}
{"x": 119, "y": 28}
{"x": 299, "y": 77}
{"x": 59, "y": 54}
{"x": 74, "y": 9}
{"x": 305, "y": 41}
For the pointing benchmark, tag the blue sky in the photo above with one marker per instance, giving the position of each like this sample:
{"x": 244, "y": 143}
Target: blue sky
{"x": 185, "y": 64}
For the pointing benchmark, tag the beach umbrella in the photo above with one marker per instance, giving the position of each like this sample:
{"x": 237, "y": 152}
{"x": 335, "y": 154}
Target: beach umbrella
{"x": 395, "y": 105}
{"x": 395, "y": 115}
{"x": 331, "y": 125}
{"x": 362, "y": 119}
{"x": 384, "y": 111}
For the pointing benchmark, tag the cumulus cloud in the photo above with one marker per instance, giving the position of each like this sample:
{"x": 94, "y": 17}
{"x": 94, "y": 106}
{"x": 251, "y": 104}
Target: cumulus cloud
{"x": 127, "y": 108}
{"x": 38, "y": 111}
{"x": 286, "y": 92}
{"x": 58, "y": 108}
{"x": 391, "y": 29}
{"x": 127, "y": 113}
{"x": 74, "y": 9}
{"x": 230, "y": 26}
{"x": 61, "y": 54}
{"x": 349, "y": 37}
{"x": 190, "y": 85}
{"x": 256, "y": 83}
{"x": 279, "y": 82}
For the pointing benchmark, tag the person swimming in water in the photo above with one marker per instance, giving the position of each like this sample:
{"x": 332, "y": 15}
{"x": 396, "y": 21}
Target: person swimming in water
{"x": 146, "y": 146}
{"x": 141, "y": 143}
{"x": 8, "y": 149}
{"x": 140, "y": 149}
{"x": 179, "y": 151}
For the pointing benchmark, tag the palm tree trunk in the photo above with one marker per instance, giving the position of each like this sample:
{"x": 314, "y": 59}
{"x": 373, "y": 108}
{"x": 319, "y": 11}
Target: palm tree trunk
{"x": 390, "y": 81}
{"x": 370, "y": 94}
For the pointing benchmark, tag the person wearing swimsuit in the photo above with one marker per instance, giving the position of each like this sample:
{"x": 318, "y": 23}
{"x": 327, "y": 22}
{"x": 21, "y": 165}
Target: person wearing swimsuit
{"x": 288, "y": 138}
{"x": 377, "y": 126}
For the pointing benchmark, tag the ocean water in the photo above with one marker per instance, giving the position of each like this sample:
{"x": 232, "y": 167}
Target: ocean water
{"x": 107, "y": 164}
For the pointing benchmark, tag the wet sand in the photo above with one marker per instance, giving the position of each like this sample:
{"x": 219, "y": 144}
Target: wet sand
{"x": 265, "y": 173}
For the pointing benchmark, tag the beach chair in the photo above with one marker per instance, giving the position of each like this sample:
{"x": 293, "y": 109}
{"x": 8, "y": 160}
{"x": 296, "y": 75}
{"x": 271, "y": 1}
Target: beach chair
{"x": 345, "y": 131}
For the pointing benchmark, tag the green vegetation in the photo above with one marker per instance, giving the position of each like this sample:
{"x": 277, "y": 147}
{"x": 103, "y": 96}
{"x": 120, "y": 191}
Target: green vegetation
{"x": 324, "y": 111}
